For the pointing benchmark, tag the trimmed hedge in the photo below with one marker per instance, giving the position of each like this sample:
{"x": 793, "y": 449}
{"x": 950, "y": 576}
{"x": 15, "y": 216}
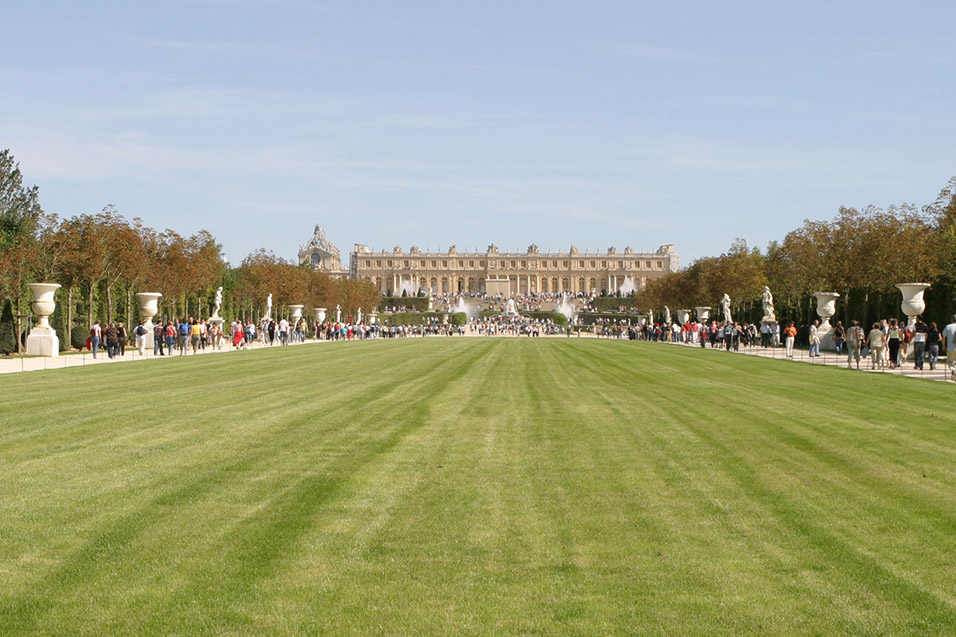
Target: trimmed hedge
{"x": 588, "y": 318}
{"x": 612, "y": 303}
{"x": 411, "y": 318}
{"x": 413, "y": 303}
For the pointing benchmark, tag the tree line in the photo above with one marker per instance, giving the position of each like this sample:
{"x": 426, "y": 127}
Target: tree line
{"x": 102, "y": 260}
{"x": 859, "y": 253}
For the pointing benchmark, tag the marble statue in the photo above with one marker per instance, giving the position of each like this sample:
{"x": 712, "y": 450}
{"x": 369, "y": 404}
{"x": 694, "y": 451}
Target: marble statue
{"x": 725, "y": 306}
{"x": 268, "y": 315}
{"x": 218, "y": 303}
{"x": 667, "y": 315}
{"x": 359, "y": 321}
{"x": 769, "y": 316}
{"x": 650, "y": 317}
{"x": 338, "y": 313}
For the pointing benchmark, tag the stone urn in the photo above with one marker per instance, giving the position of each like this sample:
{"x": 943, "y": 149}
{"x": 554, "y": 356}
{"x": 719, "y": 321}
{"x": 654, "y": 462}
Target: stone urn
{"x": 683, "y": 316}
{"x": 148, "y": 307}
{"x": 826, "y": 308}
{"x": 320, "y": 315}
{"x": 703, "y": 313}
{"x": 913, "y": 304}
{"x": 296, "y": 313}
{"x": 372, "y": 318}
{"x": 43, "y": 340}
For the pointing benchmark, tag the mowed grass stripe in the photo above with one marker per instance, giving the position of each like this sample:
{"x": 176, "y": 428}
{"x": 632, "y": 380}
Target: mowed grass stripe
{"x": 478, "y": 485}
{"x": 933, "y": 524}
{"x": 286, "y": 437}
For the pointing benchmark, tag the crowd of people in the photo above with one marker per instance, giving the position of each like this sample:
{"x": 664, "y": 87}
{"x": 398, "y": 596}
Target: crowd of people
{"x": 886, "y": 344}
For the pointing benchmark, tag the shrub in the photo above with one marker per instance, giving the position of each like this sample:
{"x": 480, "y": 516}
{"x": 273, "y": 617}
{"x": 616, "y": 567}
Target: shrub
{"x": 8, "y": 339}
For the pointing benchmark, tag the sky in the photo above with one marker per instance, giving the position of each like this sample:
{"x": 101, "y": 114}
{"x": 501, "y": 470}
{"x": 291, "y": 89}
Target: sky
{"x": 595, "y": 123}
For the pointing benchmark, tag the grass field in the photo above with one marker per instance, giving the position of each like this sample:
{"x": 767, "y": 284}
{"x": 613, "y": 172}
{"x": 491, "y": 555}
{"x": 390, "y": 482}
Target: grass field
{"x": 485, "y": 486}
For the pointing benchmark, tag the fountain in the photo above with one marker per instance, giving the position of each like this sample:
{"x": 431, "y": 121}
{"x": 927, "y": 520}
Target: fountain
{"x": 511, "y": 310}
{"x": 627, "y": 287}
{"x": 406, "y": 287}
{"x": 566, "y": 308}
{"x": 468, "y": 310}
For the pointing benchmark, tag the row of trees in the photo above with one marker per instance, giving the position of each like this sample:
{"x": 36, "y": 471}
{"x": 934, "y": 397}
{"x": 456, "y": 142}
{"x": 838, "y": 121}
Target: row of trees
{"x": 861, "y": 254}
{"x": 103, "y": 259}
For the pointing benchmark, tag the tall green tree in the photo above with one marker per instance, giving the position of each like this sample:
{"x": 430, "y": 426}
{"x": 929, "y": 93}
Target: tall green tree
{"x": 20, "y": 209}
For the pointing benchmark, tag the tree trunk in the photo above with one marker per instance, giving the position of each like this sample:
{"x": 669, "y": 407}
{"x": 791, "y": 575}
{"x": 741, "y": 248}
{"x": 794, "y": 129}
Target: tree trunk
{"x": 89, "y": 307}
{"x": 69, "y": 317}
{"x": 16, "y": 301}
{"x": 129, "y": 306}
{"x": 109, "y": 303}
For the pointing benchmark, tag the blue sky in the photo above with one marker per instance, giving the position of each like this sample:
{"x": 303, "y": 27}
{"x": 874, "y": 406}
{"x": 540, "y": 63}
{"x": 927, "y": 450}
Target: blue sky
{"x": 470, "y": 123}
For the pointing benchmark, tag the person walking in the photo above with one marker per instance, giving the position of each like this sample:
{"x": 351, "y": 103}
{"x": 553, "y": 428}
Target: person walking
{"x": 159, "y": 335}
{"x": 839, "y": 337}
{"x": 96, "y": 334}
{"x": 170, "y": 336}
{"x": 876, "y": 340}
{"x": 949, "y": 346}
{"x": 854, "y": 341}
{"x": 122, "y": 337}
{"x": 112, "y": 341}
{"x": 932, "y": 345}
{"x": 140, "y": 333}
{"x": 790, "y": 334}
{"x": 893, "y": 338}
{"x": 814, "y": 339}
{"x": 920, "y": 330}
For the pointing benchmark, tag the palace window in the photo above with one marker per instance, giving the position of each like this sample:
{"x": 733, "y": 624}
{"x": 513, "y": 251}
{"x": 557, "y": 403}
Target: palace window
{"x": 368, "y": 263}
{"x": 603, "y": 264}
{"x": 471, "y": 264}
{"x": 461, "y": 264}
{"x": 565, "y": 265}
{"x": 660, "y": 264}
{"x": 444, "y": 264}
{"x": 378, "y": 263}
{"x": 593, "y": 264}
{"x": 647, "y": 264}
{"x": 580, "y": 264}
{"x": 389, "y": 263}
{"x": 524, "y": 264}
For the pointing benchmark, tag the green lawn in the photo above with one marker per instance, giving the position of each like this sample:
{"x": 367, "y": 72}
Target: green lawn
{"x": 486, "y": 486}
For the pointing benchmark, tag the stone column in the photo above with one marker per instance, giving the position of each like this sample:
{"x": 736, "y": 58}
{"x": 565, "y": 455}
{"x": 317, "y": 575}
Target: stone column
{"x": 148, "y": 307}
{"x": 43, "y": 340}
{"x": 826, "y": 308}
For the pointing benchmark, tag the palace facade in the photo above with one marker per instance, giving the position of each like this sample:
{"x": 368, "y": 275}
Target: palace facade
{"x": 494, "y": 272}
